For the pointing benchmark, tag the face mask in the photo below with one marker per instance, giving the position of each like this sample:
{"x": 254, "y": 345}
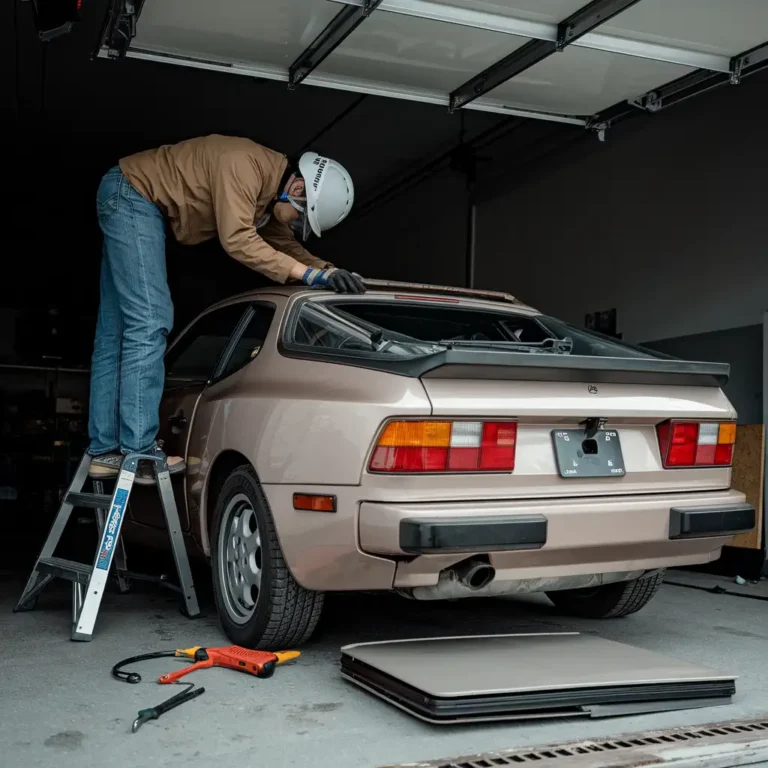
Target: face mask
{"x": 300, "y": 225}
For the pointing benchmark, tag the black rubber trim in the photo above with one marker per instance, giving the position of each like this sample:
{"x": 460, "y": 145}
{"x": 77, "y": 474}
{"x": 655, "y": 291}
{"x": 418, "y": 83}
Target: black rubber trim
{"x": 472, "y": 534}
{"x": 520, "y": 366}
{"x": 698, "y": 522}
{"x": 444, "y": 708}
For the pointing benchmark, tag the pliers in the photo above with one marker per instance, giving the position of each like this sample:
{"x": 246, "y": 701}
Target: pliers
{"x": 154, "y": 712}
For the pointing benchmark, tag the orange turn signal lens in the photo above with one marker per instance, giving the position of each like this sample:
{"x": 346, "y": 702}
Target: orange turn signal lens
{"x": 727, "y": 434}
{"x": 309, "y": 503}
{"x": 446, "y": 446}
{"x": 416, "y": 434}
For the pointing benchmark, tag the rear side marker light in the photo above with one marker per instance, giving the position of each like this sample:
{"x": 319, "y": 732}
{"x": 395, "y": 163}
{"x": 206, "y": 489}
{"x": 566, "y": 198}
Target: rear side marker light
{"x": 696, "y": 444}
{"x": 309, "y": 503}
{"x": 446, "y": 446}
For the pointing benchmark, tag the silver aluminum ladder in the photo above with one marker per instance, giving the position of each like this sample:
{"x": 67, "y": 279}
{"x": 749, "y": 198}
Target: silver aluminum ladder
{"x": 89, "y": 581}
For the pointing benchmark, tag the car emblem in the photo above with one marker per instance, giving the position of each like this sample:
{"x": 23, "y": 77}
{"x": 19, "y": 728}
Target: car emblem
{"x": 592, "y": 389}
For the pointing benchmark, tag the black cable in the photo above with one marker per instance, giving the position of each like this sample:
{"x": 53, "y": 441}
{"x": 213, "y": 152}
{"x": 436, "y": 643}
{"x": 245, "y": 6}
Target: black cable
{"x": 135, "y": 677}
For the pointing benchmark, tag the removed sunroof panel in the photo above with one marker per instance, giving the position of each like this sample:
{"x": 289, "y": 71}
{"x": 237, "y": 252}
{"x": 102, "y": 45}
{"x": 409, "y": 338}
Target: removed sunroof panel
{"x": 498, "y": 677}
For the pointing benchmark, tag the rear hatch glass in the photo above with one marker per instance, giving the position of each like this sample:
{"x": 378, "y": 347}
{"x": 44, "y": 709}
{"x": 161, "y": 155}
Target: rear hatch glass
{"x": 412, "y": 328}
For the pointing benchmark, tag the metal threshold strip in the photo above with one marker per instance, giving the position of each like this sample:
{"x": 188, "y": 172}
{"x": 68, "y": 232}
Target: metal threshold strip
{"x": 716, "y": 745}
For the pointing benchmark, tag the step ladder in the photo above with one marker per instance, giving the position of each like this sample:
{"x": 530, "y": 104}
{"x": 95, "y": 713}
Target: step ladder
{"x": 89, "y": 581}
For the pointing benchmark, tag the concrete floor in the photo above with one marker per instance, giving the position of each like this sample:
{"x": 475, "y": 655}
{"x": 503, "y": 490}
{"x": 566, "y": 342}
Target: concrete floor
{"x": 60, "y": 706}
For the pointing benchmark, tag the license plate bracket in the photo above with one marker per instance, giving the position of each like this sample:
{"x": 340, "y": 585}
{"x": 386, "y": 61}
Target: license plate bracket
{"x": 580, "y": 456}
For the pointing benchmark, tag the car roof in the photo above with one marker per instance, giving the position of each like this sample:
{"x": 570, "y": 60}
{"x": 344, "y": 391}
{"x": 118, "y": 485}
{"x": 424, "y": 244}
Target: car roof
{"x": 428, "y": 291}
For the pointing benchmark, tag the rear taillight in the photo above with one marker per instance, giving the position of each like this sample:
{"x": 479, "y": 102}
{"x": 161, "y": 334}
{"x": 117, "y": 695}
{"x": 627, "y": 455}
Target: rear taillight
{"x": 696, "y": 444}
{"x": 446, "y": 446}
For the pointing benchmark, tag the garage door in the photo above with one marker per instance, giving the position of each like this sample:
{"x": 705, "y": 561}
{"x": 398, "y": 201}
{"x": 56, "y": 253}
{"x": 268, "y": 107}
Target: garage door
{"x": 568, "y": 61}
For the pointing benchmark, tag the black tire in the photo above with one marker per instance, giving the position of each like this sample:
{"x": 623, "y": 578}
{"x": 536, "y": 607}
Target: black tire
{"x": 608, "y": 601}
{"x": 285, "y": 614}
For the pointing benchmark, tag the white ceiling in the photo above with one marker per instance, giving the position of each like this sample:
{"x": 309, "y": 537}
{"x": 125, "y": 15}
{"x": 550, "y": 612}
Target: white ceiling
{"x": 395, "y": 53}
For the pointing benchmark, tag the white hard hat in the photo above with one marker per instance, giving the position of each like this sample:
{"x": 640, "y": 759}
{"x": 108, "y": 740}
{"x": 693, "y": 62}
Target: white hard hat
{"x": 329, "y": 190}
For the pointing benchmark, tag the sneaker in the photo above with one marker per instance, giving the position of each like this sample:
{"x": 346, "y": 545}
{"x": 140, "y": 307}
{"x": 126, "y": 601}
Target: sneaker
{"x": 105, "y": 466}
{"x": 145, "y": 474}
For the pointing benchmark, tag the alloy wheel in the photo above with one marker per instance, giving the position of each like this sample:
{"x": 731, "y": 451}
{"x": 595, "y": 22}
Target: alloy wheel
{"x": 240, "y": 559}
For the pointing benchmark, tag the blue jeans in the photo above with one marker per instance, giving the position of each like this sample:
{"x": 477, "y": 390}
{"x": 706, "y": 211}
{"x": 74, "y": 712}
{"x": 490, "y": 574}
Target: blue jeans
{"x": 135, "y": 318}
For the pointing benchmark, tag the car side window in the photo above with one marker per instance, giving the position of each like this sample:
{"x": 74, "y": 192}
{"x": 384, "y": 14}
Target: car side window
{"x": 251, "y": 341}
{"x": 195, "y": 356}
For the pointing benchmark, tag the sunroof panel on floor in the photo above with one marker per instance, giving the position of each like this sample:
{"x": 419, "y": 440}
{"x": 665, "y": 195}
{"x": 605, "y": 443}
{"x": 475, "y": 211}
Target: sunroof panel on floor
{"x": 457, "y": 679}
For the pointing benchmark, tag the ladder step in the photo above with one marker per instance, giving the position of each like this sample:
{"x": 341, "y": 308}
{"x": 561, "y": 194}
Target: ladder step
{"x": 89, "y": 500}
{"x": 70, "y": 570}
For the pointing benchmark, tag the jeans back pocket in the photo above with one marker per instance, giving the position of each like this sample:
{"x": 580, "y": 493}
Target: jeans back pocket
{"x": 108, "y": 195}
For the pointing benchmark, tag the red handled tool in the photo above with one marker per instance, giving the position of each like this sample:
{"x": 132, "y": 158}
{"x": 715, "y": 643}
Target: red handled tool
{"x": 259, "y": 663}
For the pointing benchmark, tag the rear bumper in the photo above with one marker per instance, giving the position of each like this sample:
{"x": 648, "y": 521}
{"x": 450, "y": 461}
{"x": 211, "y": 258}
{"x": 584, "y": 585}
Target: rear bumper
{"x": 359, "y": 546}
{"x": 554, "y": 538}
{"x": 424, "y": 536}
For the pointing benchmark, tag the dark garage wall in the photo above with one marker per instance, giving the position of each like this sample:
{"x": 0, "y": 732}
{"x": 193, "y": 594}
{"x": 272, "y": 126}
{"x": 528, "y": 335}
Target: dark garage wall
{"x": 666, "y": 221}
{"x": 741, "y": 348}
{"x": 418, "y": 236}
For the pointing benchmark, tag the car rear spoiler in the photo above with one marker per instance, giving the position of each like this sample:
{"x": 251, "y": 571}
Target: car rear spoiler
{"x": 470, "y": 293}
{"x": 524, "y": 366}
{"x": 521, "y": 366}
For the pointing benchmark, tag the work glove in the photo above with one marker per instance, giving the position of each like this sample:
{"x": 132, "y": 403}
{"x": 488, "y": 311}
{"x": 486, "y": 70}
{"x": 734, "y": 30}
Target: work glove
{"x": 338, "y": 280}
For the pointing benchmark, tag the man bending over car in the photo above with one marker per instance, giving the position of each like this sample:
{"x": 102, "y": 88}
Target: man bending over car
{"x": 255, "y": 201}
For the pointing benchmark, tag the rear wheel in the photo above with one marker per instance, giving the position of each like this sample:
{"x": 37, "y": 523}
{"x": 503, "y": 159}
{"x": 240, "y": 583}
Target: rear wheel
{"x": 609, "y": 600}
{"x": 259, "y": 602}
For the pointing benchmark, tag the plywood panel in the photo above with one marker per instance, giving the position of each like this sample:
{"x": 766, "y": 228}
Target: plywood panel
{"x": 748, "y": 477}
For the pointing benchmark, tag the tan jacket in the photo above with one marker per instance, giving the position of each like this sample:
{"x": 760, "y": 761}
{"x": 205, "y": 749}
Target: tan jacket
{"x": 221, "y": 185}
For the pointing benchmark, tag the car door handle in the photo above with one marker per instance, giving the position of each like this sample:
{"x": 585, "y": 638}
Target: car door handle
{"x": 178, "y": 420}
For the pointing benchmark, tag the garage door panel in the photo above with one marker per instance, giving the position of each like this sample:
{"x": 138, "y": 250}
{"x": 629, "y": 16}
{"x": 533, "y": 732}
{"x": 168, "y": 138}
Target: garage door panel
{"x": 549, "y": 11}
{"x": 417, "y": 53}
{"x": 711, "y": 26}
{"x": 396, "y": 52}
{"x": 585, "y": 81}
{"x": 253, "y": 31}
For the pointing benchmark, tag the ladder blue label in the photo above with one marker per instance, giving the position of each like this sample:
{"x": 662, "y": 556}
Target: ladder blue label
{"x": 111, "y": 528}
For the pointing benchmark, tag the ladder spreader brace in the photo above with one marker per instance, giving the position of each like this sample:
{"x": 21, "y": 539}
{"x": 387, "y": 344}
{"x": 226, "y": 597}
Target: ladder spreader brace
{"x": 89, "y": 581}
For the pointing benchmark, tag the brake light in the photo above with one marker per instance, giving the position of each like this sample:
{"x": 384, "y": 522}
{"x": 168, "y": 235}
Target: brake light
{"x": 696, "y": 444}
{"x": 446, "y": 446}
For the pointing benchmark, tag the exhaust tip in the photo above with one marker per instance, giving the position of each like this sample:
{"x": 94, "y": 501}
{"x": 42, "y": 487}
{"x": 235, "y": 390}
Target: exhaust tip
{"x": 476, "y": 575}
